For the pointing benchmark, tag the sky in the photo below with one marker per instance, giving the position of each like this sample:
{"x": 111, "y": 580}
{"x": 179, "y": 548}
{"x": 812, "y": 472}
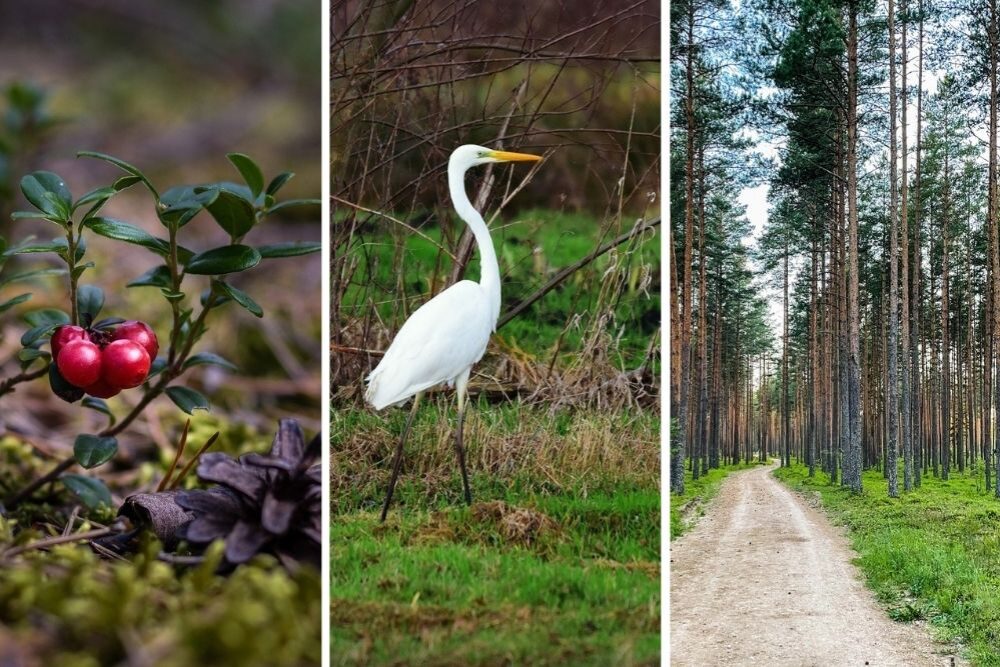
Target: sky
{"x": 756, "y": 199}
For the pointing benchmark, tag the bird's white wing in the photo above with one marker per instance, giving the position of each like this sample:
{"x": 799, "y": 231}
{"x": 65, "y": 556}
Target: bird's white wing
{"x": 445, "y": 336}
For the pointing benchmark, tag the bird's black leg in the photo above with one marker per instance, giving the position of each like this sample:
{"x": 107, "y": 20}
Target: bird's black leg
{"x": 398, "y": 461}
{"x": 461, "y": 451}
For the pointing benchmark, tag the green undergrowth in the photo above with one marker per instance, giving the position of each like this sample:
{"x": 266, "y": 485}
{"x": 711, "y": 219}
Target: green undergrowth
{"x": 66, "y": 605}
{"x": 553, "y": 564}
{"x": 70, "y": 608}
{"x": 931, "y": 554}
{"x": 531, "y": 247}
{"x": 685, "y": 507}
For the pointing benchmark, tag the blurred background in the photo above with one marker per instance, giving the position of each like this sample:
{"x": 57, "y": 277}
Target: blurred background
{"x": 171, "y": 88}
{"x": 576, "y": 81}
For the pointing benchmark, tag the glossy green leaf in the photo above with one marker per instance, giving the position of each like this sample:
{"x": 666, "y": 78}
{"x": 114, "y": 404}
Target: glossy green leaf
{"x": 240, "y": 297}
{"x": 35, "y": 334}
{"x": 292, "y": 249}
{"x": 81, "y": 247}
{"x": 91, "y": 451}
{"x": 170, "y": 295}
{"x": 61, "y": 388}
{"x": 158, "y": 276}
{"x": 91, "y": 492}
{"x": 289, "y": 203}
{"x": 44, "y": 316}
{"x": 233, "y": 213}
{"x": 48, "y": 193}
{"x": 80, "y": 268}
{"x": 31, "y": 353}
{"x": 123, "y": 165}
{"x": 187, "y": 399}
{"x": 250, "y": 172}
{"x": 125, "y": 182}
{"x": 96, "y": 195}
{"x": 278, "y": 182}
{"x": 37, "y": 215}
{"x": 55, "y": 245}
{"x": 156, "y": 367}
{"x": 17, "y": 300}
{"x": 123, "y": 231}
{"x": 182, "y": 203}
{"x": 208, "y": 359}
{"x": 89, "y": 301}
{"x": 237, "y": 189}
{"x": 99, "y": 405}
{"x": 106, "y": 322}
{"x": 225, "y": 259}
{"x": 26, "y": 276}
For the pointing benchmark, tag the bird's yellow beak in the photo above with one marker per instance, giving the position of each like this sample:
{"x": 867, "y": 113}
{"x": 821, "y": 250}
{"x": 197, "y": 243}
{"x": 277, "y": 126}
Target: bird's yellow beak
{"x": 504, "y": 156}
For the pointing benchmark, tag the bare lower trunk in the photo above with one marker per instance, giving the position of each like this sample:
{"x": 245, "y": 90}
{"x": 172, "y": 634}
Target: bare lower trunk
{"x": 892, "y": 316}
{"x": 904, "y": 237}
{"x": 853, "y": 314}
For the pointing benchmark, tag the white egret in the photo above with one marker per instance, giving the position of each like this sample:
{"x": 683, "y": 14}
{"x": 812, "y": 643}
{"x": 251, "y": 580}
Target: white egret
{"x": 442, "y": 340}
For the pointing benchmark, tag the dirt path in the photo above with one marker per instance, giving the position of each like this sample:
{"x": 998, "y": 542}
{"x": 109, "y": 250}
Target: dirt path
{"x": 764, "y": 579}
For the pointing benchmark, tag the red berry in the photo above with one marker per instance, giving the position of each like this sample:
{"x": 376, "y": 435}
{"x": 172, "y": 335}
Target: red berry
{"x": 79, "y": 362}
{"x": 102, "y": 389}
{"x": 63, "y": 335}
{"x": 124, "y": 364}
{"x": 138, "y": 332}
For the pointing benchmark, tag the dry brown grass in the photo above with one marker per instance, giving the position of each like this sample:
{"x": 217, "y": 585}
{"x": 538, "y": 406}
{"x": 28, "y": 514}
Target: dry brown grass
{"x": 557, "y": 451}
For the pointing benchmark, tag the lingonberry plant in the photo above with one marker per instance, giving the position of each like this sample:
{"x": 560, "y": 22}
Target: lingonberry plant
{"x": 90, "y": 359}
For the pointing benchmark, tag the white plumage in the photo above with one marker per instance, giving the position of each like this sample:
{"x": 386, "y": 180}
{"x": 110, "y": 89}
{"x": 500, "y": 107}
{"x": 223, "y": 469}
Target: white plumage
{"x": 446, "y": 336}
{"x": 440, "y": 341}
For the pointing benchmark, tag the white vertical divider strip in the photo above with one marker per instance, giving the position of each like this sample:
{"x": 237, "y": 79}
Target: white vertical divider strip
{"x": 325, "y": 19}
{"x": 665, "y": 288}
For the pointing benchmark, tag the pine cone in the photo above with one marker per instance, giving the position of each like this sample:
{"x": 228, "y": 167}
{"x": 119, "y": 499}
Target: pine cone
{"x": 263, "y": 503}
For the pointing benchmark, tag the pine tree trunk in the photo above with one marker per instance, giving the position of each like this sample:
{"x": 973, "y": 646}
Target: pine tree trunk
{"x": 678, "y": 444}
{"x": 853, "y": 314}
{"x": 904, "y": 237}
{"x": 915, "y": 353}
{"x": 813, "y": 356}
{"x": 945, "y": 344}
{"x": 785, "y": 435}
{"x": 892, "y": 315}
{"x": 993, "y": 212}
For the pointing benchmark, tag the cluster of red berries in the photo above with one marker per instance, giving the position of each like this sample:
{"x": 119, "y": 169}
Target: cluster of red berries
{"x": 103, "y": 362}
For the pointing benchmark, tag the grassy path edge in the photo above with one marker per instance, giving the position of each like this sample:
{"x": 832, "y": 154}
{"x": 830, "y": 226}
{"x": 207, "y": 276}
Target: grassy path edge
{"x": 685, "y": 508}
{"x": 912, "y": 557}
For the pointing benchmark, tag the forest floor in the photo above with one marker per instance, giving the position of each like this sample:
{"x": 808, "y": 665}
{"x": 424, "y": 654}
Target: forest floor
{"x": 763, "y": 578}
{"x": 557, "y": 561}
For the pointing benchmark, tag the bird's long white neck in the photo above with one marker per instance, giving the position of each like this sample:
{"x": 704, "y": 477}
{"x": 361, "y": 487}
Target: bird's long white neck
{"x": 489, "y": 276}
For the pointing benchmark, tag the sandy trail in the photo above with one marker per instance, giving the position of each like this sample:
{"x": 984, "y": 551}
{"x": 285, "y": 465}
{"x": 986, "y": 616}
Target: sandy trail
{"x": 764, "y": 579}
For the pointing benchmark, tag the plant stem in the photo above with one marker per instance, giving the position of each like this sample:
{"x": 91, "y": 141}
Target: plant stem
{"x": 7, "y": 386}
{"x": 61, "y": 539}
{"x": 175, "y": 358}
{"x": 175, "y": 278}
{"x": 71, "y": 263}
{"x": 50, "y": 476}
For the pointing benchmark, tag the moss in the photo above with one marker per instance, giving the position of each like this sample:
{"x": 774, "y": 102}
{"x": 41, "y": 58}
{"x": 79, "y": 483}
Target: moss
{"x": 70, "y": 606}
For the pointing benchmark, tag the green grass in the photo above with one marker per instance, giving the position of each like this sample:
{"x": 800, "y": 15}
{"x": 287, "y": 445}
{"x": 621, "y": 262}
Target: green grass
{"x": 531, "y": 246}
{"x": 697, "y": 492}
{"x": 69, "y": 606}
{"x": 557, "y": 561}
{"x": 932, "y": 554}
